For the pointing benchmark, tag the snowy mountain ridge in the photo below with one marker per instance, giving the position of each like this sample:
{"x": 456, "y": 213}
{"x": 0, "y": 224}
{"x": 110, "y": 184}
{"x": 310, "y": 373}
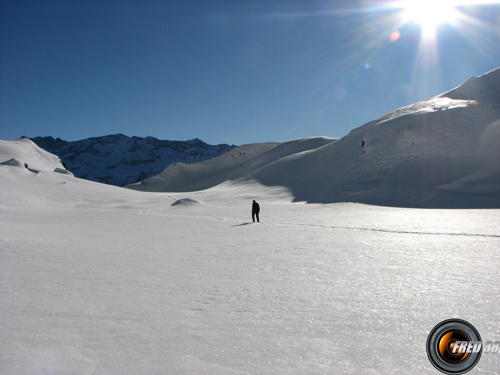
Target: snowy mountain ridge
{"x": 120, "y": 160}
{"x": 440, "y": 152}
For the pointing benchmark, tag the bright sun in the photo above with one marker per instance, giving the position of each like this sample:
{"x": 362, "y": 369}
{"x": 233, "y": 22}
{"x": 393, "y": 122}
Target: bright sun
{"x": 430, "y": 13}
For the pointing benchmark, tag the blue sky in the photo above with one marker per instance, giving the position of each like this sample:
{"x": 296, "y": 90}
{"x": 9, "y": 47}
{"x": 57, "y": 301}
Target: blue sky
{"x": 230, "y": 71}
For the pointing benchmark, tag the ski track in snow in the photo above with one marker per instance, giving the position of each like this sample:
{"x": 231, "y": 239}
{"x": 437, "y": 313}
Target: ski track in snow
{"x": 243, "y": 222}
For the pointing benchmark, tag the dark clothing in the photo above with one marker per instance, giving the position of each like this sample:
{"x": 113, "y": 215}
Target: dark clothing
{"x": 255, "y": 211}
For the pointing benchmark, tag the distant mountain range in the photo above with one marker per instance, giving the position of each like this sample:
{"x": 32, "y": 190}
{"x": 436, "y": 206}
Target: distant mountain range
{"x": 438, "y": 153}
{"x": 121, "y": 160}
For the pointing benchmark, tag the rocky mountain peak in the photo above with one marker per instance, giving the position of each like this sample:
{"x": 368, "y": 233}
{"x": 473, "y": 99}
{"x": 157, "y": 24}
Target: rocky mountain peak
{"x": 121, "y": 160}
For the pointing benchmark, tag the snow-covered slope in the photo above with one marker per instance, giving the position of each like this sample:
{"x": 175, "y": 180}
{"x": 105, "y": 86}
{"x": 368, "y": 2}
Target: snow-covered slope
{"x": 24, "y": 151}
{"x": 237, "y": 164}
{"x": 441, "y": 152}
{"x": 120, "y": 160}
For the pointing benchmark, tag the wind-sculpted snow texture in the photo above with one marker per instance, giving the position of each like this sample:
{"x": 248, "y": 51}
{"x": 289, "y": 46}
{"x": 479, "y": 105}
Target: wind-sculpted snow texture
{"x": 441, "y": 152}
{"x": 23, "y": 153}
{"x": 120, "y": 160}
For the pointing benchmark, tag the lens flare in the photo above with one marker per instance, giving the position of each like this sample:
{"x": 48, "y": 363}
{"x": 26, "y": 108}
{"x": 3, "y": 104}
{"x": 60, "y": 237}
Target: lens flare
{"x": 395, "y": 36}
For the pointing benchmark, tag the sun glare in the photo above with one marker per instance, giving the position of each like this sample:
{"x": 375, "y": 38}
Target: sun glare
{"x": 429, "y": 14}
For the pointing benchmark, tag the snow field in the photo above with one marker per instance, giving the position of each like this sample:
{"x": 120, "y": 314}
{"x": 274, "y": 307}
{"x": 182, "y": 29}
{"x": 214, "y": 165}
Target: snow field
{"x": 122, "y": 282}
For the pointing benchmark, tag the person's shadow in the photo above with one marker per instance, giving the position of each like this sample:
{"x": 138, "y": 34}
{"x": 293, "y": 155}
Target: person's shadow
{"x": 240, "y": 225}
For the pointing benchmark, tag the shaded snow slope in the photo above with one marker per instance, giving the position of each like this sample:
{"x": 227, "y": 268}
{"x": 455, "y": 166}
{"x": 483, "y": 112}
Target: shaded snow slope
{"x": 237, "y": 164}
{"x": 441, "y": 152}
{"x": 415, "y": 156}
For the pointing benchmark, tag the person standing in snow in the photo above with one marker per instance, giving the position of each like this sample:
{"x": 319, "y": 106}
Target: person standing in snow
{"x": 255, "y": 211}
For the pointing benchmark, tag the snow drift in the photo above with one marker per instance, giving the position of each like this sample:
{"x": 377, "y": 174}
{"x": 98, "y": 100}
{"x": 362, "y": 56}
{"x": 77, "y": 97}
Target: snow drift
{"x": 24, "y": 153}
{"x": 187, "y": 202}
{"x": 440, "y": 152}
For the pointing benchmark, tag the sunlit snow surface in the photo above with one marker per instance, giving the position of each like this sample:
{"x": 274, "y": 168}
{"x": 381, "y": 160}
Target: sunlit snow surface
{"x": 96, "y": 279}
